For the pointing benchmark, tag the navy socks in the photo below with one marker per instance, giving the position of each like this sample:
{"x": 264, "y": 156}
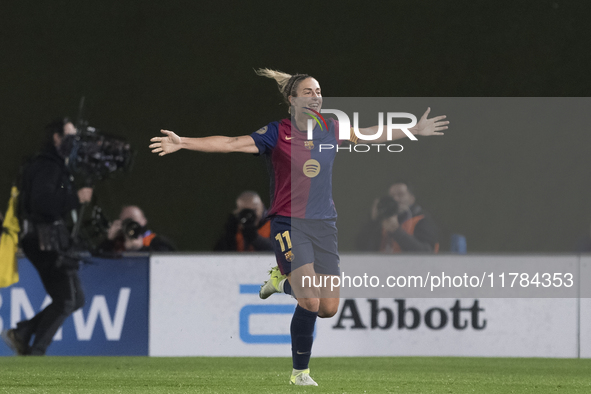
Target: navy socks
{"x": 287, "y": 287}
{"x": 302, "y": 336}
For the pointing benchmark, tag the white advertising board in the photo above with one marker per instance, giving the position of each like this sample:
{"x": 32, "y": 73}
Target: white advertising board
{"x": 208, "y": 305}
{"x": 585, "y": 308}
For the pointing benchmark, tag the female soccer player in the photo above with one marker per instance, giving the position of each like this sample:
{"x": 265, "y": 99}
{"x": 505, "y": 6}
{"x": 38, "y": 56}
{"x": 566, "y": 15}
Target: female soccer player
{"x": 302, "y": 212}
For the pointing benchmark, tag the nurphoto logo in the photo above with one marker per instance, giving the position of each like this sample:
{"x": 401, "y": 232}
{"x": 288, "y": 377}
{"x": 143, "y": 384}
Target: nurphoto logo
{"x": 345, "y": 129}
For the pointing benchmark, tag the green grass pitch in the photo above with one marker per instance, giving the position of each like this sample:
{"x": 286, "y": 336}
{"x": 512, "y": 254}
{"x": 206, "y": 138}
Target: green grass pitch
{"x": 270, "y": 375}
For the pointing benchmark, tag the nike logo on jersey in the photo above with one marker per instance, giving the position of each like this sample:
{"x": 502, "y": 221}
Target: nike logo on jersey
{"x": 288, "y": 138}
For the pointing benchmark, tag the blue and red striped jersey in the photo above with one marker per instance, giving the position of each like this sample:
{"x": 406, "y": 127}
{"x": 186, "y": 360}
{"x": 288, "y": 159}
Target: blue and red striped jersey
{"x": 301, "y": 172}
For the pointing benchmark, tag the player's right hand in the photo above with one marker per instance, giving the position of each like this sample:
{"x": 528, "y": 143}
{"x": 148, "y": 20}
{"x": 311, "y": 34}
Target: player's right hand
{"x": 165, "y": 145}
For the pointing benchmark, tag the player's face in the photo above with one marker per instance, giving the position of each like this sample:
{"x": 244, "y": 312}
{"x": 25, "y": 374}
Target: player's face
{"x": 308, "y": 94}
{"x": 400, "y": 193}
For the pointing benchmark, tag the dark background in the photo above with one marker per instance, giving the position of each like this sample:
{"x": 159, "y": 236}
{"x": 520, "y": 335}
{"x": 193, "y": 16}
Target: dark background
{"x": 188, "y": 66}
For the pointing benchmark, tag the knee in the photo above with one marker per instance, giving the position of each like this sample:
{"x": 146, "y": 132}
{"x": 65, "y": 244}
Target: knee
{"x": 70, "y": 306}
{"x": 67, "y": 307}
{"x": 328, "y": 307}
{"x": 327, "y": 312}
{"x": 79, "y": 301}
{"x": 311, "y": 304}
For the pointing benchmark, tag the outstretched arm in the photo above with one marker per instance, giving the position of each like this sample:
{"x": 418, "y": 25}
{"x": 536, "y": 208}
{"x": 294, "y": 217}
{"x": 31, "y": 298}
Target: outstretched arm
{"x": 424, "y": 127}
{"x": 171, "y": 142}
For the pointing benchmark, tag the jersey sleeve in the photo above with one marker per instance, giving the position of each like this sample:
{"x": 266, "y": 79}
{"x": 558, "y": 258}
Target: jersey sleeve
{"x": 265, "y": 138}
{"x": 352, "y": 137}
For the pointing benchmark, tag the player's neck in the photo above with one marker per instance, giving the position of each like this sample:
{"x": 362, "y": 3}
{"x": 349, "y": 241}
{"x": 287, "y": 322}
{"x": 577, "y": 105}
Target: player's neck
{"x": 301, "y": 122}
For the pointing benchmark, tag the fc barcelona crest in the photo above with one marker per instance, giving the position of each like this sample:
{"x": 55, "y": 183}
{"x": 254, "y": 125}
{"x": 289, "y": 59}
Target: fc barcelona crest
{"x": 289, "y": 256}
{"x": 309, "y": 145}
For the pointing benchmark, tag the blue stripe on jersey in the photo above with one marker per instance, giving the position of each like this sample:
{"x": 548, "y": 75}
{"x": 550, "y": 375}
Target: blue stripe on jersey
{"x": 320, "y": 204}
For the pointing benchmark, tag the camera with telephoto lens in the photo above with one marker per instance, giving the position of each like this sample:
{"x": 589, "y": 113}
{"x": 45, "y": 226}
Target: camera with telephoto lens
{"x": 387, "y": 207}
{"x": 95, "y": 155}
{"x": 247, "y": 217}
{"x": 132, "y": 229}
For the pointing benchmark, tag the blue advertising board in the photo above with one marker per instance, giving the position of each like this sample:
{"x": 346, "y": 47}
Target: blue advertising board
{"x": 114, "y": 320}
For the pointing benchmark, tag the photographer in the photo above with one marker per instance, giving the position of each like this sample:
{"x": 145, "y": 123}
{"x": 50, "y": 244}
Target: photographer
{"x": 247, "y": 228}
{"x": 130, "y": 233}
{"x": 415, "y": 230}
{"x": 408, "y": 229}
{"x": 384, "y": 221}
{"x": 47, "y": 196}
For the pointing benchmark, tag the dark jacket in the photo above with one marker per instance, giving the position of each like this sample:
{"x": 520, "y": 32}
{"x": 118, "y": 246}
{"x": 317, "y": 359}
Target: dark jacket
{"x": 249, "y": 239}
{"x": 151, "y": 241}
{"x": 47, "y": 195}
{"x": 47, "y": 190}
{"x": 417, "y": 233}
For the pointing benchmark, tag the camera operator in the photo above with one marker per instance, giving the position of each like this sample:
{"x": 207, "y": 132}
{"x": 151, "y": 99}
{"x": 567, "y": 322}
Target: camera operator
{"x": 416, "y": 230}
{"x": 130, "y": 233}
{"x": 384, "y": 221}
{"x": 409, "y": 229}
{"x": 247, "y": 228}
{"x": 47, "y": 196}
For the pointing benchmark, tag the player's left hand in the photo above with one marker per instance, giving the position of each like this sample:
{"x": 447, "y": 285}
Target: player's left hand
{"x": 433, "y": 126}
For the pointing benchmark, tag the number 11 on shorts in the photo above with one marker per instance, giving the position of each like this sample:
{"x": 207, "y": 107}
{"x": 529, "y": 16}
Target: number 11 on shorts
{"x": 279, "y": 238}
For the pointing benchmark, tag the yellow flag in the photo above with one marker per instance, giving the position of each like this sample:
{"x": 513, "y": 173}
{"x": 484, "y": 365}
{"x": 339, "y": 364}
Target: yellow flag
{"x": 9, "y": 243}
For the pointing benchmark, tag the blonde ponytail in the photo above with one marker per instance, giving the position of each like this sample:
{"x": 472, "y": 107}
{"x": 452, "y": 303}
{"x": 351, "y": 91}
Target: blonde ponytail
{"x": 287, "y": 84}
{"x": 280, "y": 77}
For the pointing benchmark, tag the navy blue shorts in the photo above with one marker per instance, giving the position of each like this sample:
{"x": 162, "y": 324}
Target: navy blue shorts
{"x": 298, "y": 242}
